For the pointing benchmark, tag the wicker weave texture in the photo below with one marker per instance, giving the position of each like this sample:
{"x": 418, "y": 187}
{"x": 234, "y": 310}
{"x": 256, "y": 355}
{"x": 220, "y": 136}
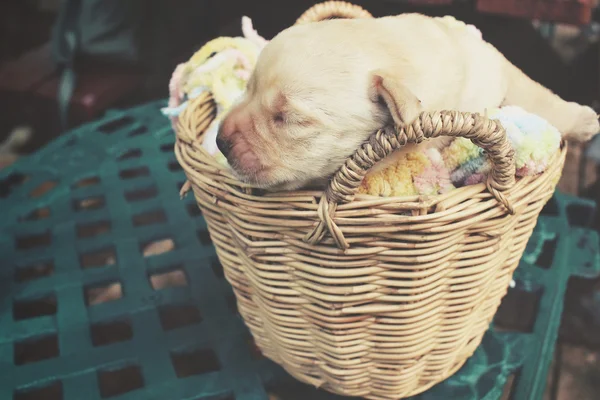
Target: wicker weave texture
{"x": 365, "y": 296}
{"x": 333, "y": 9}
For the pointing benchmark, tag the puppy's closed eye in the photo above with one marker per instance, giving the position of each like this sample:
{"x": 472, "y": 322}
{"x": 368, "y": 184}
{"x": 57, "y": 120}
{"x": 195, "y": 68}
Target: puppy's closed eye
{"x": 291, "y": 119}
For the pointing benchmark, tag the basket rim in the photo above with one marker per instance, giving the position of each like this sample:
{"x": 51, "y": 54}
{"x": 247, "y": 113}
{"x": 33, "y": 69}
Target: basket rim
{"x": 196, "y": 106}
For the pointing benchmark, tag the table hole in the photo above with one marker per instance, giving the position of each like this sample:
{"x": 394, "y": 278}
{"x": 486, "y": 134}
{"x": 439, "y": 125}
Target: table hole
{"x": 173, "y": 278}
{"x": 35, "y": 350}
{"x": 92, "y": 229}
{"x": 129, "y": 154}
{"x": 509, "y": 386}
{"x": 518, "y": 311}
{"x": 53, "y": 391}
{"x": 167, "y": 147}
{"x": 140, "y": 130}
{"x": 33, "y": 308}
{"x": 157, "y": 216}
{"x": 204, "y": 237}
{"x": 113, "y": 382}
{"x": 89, "y": 203}
{"x": 232, "y": 304}
{"x": 105, "y": 333}
{"x": 193, "y": 210}
{"x": 116, "y": 124}
{"x": 178, "y": 316}
{"x": 42, "y": 189}
{"x": 34, "y": 271}
{"x": 157, "y": 247}
{"x": 136, "y": 172}
{"x": 103, "y": 293}
{"x": 546, "y": 256}
{"x": 85, "y": 182}
{"x": 36, "y": 215}
{"x": 255, "y": 352}
{"x": 217, "y": 268}
{"x": 70, "y": 143}
{"x": 98, "y": 258}
{"x": 11, "y": 182}
{"x": 195, "y": 362}
{"x": 174, "y": 166}
{"x": 580, "y": 214}
{"x": 29, "y": 242}
{"x": 551, "y": 208}
{"x": 141, "y": 194}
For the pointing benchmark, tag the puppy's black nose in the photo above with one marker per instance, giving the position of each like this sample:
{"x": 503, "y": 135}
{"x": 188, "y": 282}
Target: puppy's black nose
{"x": 223, "y": 145}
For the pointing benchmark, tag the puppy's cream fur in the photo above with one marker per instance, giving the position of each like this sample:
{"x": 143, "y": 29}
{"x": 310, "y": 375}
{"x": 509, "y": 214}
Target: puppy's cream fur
{"x": 320, "y": 90}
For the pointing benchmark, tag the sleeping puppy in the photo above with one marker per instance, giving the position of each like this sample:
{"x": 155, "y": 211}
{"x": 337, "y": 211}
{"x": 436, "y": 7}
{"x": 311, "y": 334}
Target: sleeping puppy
{"x": 321, "y": 89}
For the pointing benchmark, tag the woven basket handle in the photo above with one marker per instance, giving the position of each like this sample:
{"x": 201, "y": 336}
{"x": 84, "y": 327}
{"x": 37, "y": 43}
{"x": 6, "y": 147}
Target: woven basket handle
{"x": 332, "y": 9}
{"x": 483, "y": 132}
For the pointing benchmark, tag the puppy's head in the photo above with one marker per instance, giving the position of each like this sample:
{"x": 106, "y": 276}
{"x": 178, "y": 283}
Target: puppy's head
{"x": 313, "y": 99}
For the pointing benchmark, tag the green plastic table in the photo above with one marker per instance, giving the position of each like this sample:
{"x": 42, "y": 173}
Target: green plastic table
{"x": 77, "y": 216}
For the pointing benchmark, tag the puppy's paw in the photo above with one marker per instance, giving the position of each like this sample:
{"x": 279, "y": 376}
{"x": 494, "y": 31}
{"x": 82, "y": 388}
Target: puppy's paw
{"x": 586, "y": 126}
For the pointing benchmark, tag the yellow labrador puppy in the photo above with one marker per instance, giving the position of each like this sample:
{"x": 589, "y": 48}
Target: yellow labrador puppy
{"x": 320, "y": 89}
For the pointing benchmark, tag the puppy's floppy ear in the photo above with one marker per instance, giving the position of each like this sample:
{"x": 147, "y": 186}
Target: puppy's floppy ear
{"x": 401, "y": 102}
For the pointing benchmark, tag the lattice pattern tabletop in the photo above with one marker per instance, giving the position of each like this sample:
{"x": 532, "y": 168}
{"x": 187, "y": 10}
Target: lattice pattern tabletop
{"x": 100, "y": 208}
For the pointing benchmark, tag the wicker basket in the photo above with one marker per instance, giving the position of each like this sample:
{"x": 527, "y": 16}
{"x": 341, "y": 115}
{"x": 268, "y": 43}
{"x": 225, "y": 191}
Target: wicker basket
{"x": 366, "y": 296}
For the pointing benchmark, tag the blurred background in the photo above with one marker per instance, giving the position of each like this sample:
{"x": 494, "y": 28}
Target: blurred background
{"x": 554, "y": 42}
